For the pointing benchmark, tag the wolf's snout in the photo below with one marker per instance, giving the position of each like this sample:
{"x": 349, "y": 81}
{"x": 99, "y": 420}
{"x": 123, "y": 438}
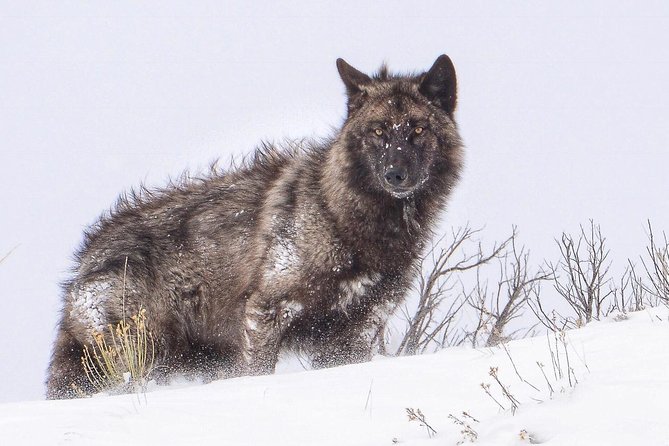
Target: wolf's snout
{"x": 396, "y": 176}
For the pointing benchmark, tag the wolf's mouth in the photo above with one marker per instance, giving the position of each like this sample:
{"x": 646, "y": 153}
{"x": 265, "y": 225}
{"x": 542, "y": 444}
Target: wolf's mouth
{"x": 400, "y": 192}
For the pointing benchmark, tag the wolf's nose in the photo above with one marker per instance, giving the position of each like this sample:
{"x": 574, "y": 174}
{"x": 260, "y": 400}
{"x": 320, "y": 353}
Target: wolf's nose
{"x": 395, "y": 176}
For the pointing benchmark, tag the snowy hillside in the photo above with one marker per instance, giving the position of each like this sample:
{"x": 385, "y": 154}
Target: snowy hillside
{"x": 618, "y": 395}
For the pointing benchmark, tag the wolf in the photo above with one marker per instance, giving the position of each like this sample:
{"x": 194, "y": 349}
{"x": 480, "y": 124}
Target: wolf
{"x": 309, "y": 246}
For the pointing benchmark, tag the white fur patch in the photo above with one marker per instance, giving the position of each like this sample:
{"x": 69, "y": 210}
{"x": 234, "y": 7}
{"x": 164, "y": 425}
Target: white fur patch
{"x": 290, "y": 309}
{"x": 88, "y": 304}
{"x": 246, "y": 352}
{"x": 283, "y": 255}
{"x": 353, "y": 290}
{"x": 376, "y": 321}
{"x": 251, "y": 324}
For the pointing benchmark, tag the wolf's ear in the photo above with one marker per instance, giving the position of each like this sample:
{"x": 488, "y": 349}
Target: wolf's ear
{"x": 353, "y": 79}
{"x": 439, "y": 84}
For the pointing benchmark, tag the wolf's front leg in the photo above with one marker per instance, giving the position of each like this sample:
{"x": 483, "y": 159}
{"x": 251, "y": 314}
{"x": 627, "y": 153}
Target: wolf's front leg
{"x": 341, "y": 350}
{"x": 262, "y": 341}
{"x": 357, "y": 343}
{"x": 265, "y": 322}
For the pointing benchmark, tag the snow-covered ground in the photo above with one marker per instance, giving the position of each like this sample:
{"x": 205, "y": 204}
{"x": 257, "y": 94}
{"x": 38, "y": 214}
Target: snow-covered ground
{"x": 618, "y": 395}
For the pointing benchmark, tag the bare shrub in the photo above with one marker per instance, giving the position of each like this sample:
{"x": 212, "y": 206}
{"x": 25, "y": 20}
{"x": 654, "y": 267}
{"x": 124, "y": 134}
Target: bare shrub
{"x": 418, "y": 416}
{"x": 657, "y": 266}
{"x": 451, "y": 311}
{"x": 436, "y": 273}
{"x": 468, "y": 433}
{"x": 584, "y": 268}
{"x": 498, "y": 307}
{"x": 629, "y": 294}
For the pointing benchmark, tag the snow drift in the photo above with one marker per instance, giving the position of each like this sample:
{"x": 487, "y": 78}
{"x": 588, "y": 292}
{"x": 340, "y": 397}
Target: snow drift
{"x": 605, "y": 384}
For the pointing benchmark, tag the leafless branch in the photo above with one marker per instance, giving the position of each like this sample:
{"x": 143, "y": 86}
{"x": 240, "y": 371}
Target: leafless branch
{"x": 552, "y": 320}
{"x": 629, "y": 294}
{"x": 584, "y": 265}
{"x": 497, "y": 308}
{"x": 3, "y": 258}
{"x": 657, "y": 266}
{"x": 431, "y": 320}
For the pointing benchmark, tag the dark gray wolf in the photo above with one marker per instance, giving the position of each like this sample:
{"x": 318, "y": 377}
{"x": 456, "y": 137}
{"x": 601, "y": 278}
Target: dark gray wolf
{"x": 309, "y": 246}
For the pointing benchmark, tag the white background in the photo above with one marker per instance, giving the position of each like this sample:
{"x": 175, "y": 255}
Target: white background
{"x": 563, "y": 107}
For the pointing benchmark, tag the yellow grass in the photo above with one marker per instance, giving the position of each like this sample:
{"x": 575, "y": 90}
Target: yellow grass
{"x": 123, "y": 359}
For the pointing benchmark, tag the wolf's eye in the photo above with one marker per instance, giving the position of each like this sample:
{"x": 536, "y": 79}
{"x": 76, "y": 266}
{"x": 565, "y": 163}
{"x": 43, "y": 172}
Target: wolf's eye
{"x": 378, "y": 132}
{"x": 418, "y": 130}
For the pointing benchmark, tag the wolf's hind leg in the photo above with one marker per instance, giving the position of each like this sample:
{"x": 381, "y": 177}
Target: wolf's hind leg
{"x": 90, "y": 307}
{"x": 66, "y": 377}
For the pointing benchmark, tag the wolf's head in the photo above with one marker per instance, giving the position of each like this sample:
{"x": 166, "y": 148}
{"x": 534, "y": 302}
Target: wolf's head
{"x": 400, "y": 131}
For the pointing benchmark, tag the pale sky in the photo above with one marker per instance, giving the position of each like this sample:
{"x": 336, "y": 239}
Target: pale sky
{"x": 563, "y": 107}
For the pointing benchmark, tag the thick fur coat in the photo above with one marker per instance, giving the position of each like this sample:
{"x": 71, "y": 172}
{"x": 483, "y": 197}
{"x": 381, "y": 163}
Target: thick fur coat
{"x": 309, "y": 246}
